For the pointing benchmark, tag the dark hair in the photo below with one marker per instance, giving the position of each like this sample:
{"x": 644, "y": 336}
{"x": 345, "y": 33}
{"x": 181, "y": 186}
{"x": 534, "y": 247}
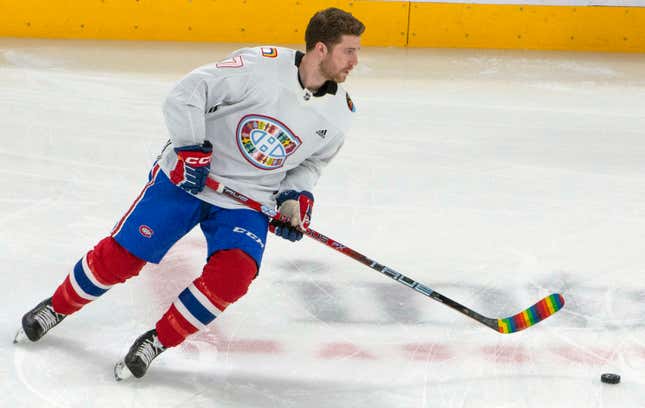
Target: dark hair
{"x": 329, "y": 25}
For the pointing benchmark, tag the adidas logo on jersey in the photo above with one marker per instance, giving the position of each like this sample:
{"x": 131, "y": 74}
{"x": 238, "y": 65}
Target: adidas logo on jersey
{"x": 322, "y": 133}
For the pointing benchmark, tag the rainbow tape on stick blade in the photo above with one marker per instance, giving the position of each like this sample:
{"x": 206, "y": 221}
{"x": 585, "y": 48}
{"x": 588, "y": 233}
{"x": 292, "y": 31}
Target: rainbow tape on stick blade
{"x": 531, "y": 316}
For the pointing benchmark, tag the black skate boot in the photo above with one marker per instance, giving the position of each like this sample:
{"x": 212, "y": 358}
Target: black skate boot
{"x": 145, "y": 349}
{"x": 38, "y": 321}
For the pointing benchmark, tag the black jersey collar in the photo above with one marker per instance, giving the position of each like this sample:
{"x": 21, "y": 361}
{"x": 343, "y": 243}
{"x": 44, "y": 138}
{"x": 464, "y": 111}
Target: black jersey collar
{"x": 329, "y": 87}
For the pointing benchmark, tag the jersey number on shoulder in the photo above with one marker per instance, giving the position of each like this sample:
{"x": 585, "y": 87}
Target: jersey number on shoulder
{"x": 235, "y": 62}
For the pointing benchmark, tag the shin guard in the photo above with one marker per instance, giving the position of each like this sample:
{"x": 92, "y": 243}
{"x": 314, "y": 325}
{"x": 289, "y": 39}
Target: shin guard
{"x": 225, "y": 278}
{"x": 94, "y": 274}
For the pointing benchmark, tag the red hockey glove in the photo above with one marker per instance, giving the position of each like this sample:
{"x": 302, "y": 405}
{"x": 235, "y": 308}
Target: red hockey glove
{"x": 297, "y": 206}
{"x": 193, "y": 166}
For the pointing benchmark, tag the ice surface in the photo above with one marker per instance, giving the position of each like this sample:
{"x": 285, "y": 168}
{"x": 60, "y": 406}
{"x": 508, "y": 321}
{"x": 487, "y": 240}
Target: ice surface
{"x": 494, "y": 177}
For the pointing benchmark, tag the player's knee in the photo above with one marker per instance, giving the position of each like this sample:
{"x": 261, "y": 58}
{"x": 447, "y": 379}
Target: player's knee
{"x": 228, "y": 275}
{"x": 111, "y": 263}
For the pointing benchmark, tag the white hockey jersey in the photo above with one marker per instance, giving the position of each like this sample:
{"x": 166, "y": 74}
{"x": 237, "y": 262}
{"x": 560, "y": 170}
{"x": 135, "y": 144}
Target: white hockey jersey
{"x": 268, "y": 133}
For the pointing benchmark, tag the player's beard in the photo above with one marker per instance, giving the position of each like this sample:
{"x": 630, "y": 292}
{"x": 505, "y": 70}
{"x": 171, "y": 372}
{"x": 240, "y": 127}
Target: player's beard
{"x": 336, "y": 75}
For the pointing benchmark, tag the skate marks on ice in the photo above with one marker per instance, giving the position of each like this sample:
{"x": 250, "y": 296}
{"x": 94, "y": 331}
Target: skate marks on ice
{"x": 377, "y": 302}
{"x": 61, "y": 371}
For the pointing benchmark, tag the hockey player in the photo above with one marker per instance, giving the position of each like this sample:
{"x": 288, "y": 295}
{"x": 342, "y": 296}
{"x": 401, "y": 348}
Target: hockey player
{"x": 264, "y": 121}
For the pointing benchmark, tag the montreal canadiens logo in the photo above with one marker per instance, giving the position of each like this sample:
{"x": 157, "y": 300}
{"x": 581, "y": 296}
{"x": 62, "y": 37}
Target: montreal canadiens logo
{"x": 146, "y": 231}
{"x": 265, "y": 142}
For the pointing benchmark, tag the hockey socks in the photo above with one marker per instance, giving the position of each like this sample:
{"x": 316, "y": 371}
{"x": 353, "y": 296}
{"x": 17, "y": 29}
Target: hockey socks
{"x": 225, "y": 278}
{"x": 94, "y": 274}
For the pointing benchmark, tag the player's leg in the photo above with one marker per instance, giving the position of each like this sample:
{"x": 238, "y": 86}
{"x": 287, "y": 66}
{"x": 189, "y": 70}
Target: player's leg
{"x": 236, "y": 240}
{"x": 142, "y": 235}
{"x": 102, "y": 267}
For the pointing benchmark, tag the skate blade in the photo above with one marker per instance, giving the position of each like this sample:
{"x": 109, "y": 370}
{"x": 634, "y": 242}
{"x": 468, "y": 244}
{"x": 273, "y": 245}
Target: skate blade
{"x": 121, "y": 371}
{"x": 21, "y": 337}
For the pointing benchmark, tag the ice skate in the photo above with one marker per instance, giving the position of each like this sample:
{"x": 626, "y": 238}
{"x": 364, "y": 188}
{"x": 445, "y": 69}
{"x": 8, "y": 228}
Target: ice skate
{"x": 38, "y": 321}
{"x": 145, "y": 349}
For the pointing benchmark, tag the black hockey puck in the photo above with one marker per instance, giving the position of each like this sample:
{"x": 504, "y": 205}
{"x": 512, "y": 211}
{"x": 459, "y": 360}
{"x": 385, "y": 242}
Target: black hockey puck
{"x": 609, "y": 378}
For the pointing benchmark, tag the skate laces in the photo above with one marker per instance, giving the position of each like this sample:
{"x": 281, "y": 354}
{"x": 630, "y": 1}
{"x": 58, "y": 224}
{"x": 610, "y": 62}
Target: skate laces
{"x": 149, "y": 349}
{"x": 47, "y": 317}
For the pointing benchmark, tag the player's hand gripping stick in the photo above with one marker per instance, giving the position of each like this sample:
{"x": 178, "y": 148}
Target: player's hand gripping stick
{"x": 297, "y": 206}
{"x": 193, "y": 165}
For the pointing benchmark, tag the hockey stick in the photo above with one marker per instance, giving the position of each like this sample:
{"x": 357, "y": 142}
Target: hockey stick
{"x": 520, "y": 321}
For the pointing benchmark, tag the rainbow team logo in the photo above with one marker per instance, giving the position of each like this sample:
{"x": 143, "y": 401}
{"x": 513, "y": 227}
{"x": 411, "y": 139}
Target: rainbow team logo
{"x": 265, "y": 142}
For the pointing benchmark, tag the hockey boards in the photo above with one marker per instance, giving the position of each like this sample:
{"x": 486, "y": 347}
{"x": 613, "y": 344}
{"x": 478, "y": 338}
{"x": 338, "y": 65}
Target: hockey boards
{"x": 530, "y": 316}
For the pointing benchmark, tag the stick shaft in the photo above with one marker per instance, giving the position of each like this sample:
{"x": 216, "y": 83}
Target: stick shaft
{"x": 517, "y": 321}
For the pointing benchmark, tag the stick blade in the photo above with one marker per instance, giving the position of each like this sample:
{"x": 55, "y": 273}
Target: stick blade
{"x": 531, "y": 316}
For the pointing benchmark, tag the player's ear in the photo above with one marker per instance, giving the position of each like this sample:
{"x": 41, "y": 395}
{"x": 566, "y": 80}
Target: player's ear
{"x": 321, "y": 49}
